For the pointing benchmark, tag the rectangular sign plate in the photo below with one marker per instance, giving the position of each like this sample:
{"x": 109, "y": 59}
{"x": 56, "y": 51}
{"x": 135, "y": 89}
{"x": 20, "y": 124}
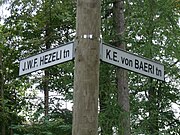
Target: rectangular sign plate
{"x": 46, "y": 59}
{"x": 132, "y": 62}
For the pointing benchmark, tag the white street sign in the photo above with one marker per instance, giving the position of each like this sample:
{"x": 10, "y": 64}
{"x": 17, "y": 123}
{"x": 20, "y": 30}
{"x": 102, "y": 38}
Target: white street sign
{"x": 46, "y": 59}
{"x": 132, "y": 62}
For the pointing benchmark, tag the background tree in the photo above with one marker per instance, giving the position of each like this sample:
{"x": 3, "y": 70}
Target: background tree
{"x": 10, "y": 99}
{"x": 1, "y": 86}
{"x": 115, "y": 96}
{"x": 25, "y": 30}
{"x": 148, "y": 33}
{"x": 109, "y": 110}
{"x": 151, "y": 32}
{"x": 122, "y": 75}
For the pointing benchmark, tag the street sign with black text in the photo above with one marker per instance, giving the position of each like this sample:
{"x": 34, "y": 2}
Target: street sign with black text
{"x": 132, "y": 62}
{"x": 46, "y": 59}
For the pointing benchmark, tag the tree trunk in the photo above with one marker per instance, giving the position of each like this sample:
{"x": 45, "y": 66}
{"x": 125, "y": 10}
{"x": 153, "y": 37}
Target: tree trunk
{"x": 2, "y": 92}
{"x": 46, "y": 92}
{"x": 153, "y": 94}
{"x": 48, "y": 31}
{"x": 46, "y": 76}
{"x": 86, "y": 82}
{"x": 122, "y": 76}
{"x": 153, "y": 110}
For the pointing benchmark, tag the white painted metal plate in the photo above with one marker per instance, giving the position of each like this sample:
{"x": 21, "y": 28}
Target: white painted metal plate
{"x": 132, "y": 62}
{"x": 46, "y": 59}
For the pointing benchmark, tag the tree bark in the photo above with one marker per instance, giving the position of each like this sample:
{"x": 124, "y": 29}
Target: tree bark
{"x": 48, "y": 31}
{"x": 46, "y": 77}
{"x": 46, "y": 92}
{"x": 2, "y": 92}
{"x": 153, "y": 94}
{"x": 153, "y": 110}
{"x": 122, "y": 76}
{"x": 46, "y": 72}
{"x": 86, "y": 82}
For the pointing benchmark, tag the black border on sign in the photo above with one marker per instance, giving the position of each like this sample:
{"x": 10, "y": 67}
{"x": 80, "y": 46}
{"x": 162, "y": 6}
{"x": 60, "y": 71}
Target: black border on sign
{"x": 136, "y": 56}
{"x": 46, "y": 51}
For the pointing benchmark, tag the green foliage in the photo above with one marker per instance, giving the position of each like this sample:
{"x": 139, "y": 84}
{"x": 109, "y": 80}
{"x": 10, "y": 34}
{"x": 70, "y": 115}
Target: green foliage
{"x": 46, "y": 128}
{"x": 58, "y": 122}
{"x": 152, "y": 31}
{"x": 24, "y": 33}
{"x": 107, "y": 100}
